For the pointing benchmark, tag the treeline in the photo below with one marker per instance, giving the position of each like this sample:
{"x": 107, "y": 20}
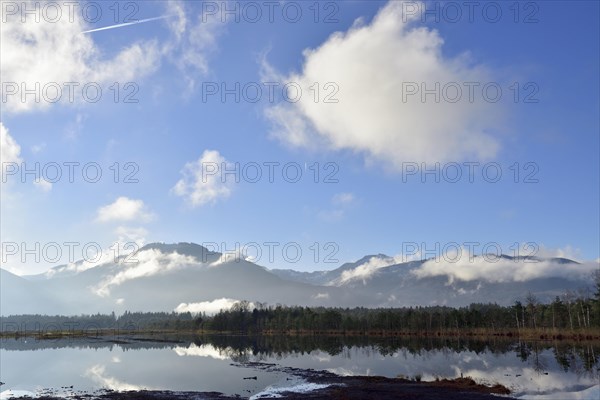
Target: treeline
{"x": 129, "y": 321}
{"x": 570, "y": 315}
{"x": 564, "y": 314}
{"x": 571, "y": 312}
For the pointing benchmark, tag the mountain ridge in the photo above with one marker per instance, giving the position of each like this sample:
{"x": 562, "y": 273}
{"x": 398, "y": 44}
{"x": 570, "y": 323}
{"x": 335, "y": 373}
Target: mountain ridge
{"x": 165, "y": 276}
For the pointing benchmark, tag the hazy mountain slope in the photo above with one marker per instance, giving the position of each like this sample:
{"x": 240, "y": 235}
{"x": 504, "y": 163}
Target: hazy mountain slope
{"x": 323, "y": 277}
{"x": 160, "y": 277}
{"x": 371, "y": 282}
{"x": 164, "y": 277}
{"x": 20, "y": 296}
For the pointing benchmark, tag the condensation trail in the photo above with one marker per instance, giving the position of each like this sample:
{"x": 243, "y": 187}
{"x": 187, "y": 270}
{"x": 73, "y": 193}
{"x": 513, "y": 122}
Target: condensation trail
{"x": 104, "y": 28}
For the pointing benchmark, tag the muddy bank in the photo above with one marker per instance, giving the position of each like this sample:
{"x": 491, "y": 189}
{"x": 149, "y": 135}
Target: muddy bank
{"x": 377, "y": 387}
{"x": 385, "y": 388}
{"x": 340, "y": 388}
{"x": 312, "y": 384}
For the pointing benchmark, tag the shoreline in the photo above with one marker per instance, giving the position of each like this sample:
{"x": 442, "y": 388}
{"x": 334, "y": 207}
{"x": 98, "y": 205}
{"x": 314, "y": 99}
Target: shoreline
{"x": 532, "y": 335}
{"x": 316, "y": 385}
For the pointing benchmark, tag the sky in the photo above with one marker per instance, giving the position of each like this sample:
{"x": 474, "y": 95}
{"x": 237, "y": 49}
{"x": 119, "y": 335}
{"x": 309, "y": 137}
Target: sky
{"x": 305, "y": 134}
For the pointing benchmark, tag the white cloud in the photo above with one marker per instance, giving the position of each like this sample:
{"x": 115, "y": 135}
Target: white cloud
{"x": 45, "y": 52}
{"x": 492, "y": 269}
{"x": 202, "y": 181}
{"x": 10, "y": 151}
{"x": 131, "y": 235}
{"x": 208, "y": 307}
{"x": 343, "y": 198}
{"x": 91, "y": 260}
{"x": 75, "y": 127}
{"x": 232, "y": 256}
{"x": 547, "y": 252}
{"x": 43, "y": 185}
{"x": 124, "y": 209}
{"x": 367, "y": 270}
{"x": 369, "y": 64}
{"x": 193, "y": 40}
{"x": 144, "y": 264}
{"x": 122, "y": 249}
{"x": 341, "y": 202}
{"x": 37, "y": 148}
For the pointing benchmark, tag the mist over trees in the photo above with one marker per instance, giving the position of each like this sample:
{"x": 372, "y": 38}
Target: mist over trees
{"x": 571, "y": 312}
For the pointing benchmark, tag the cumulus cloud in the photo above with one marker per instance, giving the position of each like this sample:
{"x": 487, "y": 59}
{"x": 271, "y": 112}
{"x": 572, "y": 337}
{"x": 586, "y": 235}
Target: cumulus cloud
{"x": 208, "y": 307}
{"x": 10, "y": 151}
{"x": 124, "y": 209}
{"x": 369, "y": 67}
{"x": 43, "y": 52}
{"x": 144, "y": 264}
{"x": 46, "y": 52}
{"x": 494, "y": 269}
{"x": 203, "y": 181}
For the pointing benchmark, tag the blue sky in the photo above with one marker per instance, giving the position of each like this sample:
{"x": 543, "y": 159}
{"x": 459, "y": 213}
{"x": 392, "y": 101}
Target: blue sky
{"x": 368, "y": 138}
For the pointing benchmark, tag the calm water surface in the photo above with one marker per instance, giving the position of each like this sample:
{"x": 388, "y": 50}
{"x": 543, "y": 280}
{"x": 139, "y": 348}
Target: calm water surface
{"x": 216, "y": 363}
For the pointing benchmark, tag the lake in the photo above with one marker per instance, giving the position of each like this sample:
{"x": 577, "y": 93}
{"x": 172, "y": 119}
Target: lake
{"x": 220, "y": 363}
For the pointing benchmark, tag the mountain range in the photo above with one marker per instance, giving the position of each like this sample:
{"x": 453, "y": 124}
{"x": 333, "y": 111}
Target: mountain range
{"x": 189, "y": 277}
